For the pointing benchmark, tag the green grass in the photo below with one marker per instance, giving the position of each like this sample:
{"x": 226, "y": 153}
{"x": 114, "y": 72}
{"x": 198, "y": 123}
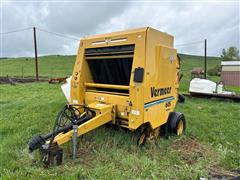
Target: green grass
{"x": 28, "y": 109}
{"x": 51, "y": 66}
{"x": 105, "y": 153}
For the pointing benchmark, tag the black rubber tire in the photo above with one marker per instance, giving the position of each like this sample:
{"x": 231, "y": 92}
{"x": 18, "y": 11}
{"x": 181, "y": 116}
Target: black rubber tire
{"x": 164, "y": 131}
{"x": 181, "y": 98}
{"x": 173, "y": 121}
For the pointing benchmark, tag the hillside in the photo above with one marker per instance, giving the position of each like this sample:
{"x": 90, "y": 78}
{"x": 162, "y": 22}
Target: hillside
{"x": 50, "y": 66}
{"x": 188, "y": 62}
{"x": 61, "y": 66}
{"x": 57, "y": 65}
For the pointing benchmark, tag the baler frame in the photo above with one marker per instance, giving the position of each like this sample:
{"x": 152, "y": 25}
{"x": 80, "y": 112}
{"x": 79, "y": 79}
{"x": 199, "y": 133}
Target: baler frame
{"x": 130, "y": 79}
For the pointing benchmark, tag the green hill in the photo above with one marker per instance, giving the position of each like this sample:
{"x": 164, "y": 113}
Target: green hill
{"x": 50, "y": 66}
{"x": 188, "y": 62}
{"x": 61, "y": 66}
{"x": 57, "y": 65}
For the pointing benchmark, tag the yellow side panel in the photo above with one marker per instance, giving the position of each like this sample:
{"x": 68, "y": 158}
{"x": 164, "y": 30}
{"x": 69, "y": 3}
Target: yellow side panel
{"x": 162, "y": 86}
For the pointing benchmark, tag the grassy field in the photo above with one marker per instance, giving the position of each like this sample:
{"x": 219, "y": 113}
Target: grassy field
{"x": 50, "y": 66}
{"x": 211, "y": 144}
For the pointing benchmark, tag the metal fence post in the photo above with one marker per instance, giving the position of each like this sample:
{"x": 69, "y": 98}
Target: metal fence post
{"x": 35, "y": 49}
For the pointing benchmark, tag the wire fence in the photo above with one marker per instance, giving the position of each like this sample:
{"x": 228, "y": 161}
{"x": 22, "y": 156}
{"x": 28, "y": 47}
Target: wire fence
{"x": 49, "y": 66}
{"x": 58, "y": 66}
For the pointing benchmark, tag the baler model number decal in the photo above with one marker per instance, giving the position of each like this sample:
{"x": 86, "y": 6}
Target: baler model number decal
{"x": 168, "y": 99}
{"x": 160, "y": 91}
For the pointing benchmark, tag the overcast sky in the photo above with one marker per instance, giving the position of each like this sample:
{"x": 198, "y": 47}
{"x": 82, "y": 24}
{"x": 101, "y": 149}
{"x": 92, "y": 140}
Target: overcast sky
{"x": 188, "y": 21}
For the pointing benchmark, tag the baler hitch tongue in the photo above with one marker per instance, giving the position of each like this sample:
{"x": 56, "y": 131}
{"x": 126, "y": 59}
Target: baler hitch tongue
{"x": 71, "y": 115}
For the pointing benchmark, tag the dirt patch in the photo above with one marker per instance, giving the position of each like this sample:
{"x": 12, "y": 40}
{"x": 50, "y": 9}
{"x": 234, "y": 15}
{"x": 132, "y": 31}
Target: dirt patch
{"x": 190, "y": 149}
{"x": 57, "y": 80}
{"x": 14, "y": 80}
{"x": 219, "y": 173}
{"x": 85, "y": 153}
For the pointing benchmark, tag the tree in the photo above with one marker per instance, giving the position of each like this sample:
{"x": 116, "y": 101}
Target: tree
{"x": 232, "y": 53}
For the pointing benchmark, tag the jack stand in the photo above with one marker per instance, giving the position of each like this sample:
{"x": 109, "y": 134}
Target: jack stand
{"x": 74, "y": 141}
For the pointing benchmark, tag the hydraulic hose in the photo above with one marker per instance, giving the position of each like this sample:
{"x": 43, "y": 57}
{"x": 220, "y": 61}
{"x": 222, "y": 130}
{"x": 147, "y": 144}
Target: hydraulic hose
{"x": 75, "y": 119}
{"x": 70, "y": 126}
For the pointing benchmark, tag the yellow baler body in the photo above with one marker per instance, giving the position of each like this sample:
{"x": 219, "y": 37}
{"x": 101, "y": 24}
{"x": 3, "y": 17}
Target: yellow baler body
{"x": 136, "y": 103}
